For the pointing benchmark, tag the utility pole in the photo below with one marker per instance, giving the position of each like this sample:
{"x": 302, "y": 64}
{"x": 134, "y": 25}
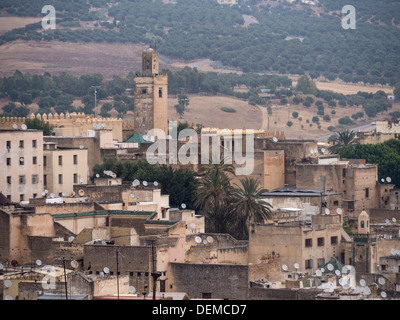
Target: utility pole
{"x": 95, "y": 99}
{"x": 323, "y": 178}
{"x": 117, "y": 274}
{"x": 65, "y": 280}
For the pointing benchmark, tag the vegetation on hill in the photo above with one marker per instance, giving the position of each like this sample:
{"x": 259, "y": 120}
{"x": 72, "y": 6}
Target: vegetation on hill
{"x": 287, "y": 38}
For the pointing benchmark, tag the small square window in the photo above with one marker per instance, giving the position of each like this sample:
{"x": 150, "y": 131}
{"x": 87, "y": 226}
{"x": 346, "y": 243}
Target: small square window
{"x": 308, "y": 243}
{"x": 21, "y": 197}
{"x": 34, "y": 143}
{"x": 320, "y": 242}
{"x": 21, "y": 143}
{"x": 334, "y": 240}
{"x": 35, "y": 179}
{"x": 308, "y": 264}
{"x": 144, "y": 91}
{"x": 21, "y": 179}
{"x": 21, "y": 161}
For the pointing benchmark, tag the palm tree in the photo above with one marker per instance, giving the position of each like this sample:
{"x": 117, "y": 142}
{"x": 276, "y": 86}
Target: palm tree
{"x": 248, "y": 206}
{"x": 213, "y": 195}
{"x": 342, "y": 140}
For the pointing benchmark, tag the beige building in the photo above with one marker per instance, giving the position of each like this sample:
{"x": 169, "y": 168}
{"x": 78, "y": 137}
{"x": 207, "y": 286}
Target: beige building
{"x": 64, "y": 168}
{"x": 151, "y": 96}
{"x": 21, "y": 151}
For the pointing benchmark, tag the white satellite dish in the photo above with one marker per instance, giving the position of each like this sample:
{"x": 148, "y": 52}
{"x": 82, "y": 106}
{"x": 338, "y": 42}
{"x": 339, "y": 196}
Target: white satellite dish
{"x": 1, "y": 266}
{"x": 389, "y": 179}
{"x": 381, "y": 281}
{"x": 63, "y": 194}
{"x": 183, "y": 206}
{"x": 155, "y": 183}
{"x": 80, "y": 147}
{"x": 382, "y": 180}
{"x": 145, "y": 183}
{"x": 15, "y": 126}
{"x": 39, "y": 262}
{"x": 387, "y": 221}
{"x": 323, "y": 150}
{"x": 205, "y": 241}
{"x": 106, "y": 270}
{"x": 383, "y": 294}
{"x": 285, "y": 267}
{"x": 95, "y": 125}
{"x": 132, "y": 289}
{"x": 97, "y": 175}
{"x": 52, "y": 195}
{"x": 7, "y": 283}
{"x": 274, "y": 139}
{"x": 363, "y": 283}
{"x": 337, "y": 272}
{"x": 136, "y": 182}
{"x": 74, "y": 264}
{"x": 46, "y": 191}
{"x": 327, "y": 211}
{"x": 330, "y": 267}
{"x": 132, "y": 195}
{"x": 394, "y": 220}
{"x": 43, "y": 193}
{"x": 367, "y": 291}
{"x": 210, "y": 239}
{"x": 339, "y": 210}
{"x": 71, "y": 238}
{"x": 318, "y": 273}
{"x": 393, "y": 252}
{"x": 8, "y": 297}
{"x": 24, "y": 127}
{"x": 197, "y": 239}
{"x": 296, "y": 266}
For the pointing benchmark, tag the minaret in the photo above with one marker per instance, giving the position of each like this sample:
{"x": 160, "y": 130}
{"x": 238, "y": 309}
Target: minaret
{"x": 151, "y": 96}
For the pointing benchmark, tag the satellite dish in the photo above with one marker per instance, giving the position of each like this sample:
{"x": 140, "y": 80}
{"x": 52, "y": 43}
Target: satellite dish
{"x": 327, "y": 211}
{"x": 132, "y": 195}
{"x": 15, "y": 126}
{"x": 330, "y": 267}
{"x": 74, "y": 264}
{"x": 63, "y": 194}
{"x": 52, "y": 195}
{"x": 285, "y": 267}
{"x": 393, "y": 251}
{"x": 7, "y": 297}
{"x": 183, "y": 206}
{"x": 323, "y": 150}
{"x": 337, "y": 272}
{"x": 389, "y": 179}
{"x": 383, "y": 180}
{"x": 132, "y": 289}
{"x": 43, "y": 193}
{"x": 197, "y": 239}
{"x": 155, "y": 183}
{"x": 81, "y": 192}
{"x": 24, "y": 127}
{"x": 39, "y": 262}
{"x": 387, "y": 221}
{"x": 394, "y": 220}
{"x": 210, "y": 239}
{"x": 80, "y": 147}
{"x": 7, "y": 283}
{"x": 97, "y": 175}
{"x": 339, "y": 210}
{"x": 363, "y": 283}
{"x": 136, "y": 182}
{"x": 318, "y": 273}
{"x": 274, "y": 139}
{"x": 205, "y": 241}
{"x": 381, "y": 281}
{"x": 367, "y": 291}
{"x": 1, "y": 266}
{"x": 106, "y": 270}
{"x": 145, "y": 183}
{"x": 81, "y": 180}
{"x": 95, "y": 125}
{"x": 296, "y": 266}
{"x": 71, "y": 238}
{"x": 383, "y": 294}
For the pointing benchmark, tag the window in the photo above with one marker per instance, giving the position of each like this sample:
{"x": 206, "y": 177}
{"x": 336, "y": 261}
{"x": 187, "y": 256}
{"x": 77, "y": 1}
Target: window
{"x": 160, "y": 92}
{"x": 21, "y": 161}
{"x": 35, "y": 179}
{"x": 34, "y": 144}
{"x": 21, "y": 197}
{"x": 21, "y": 143}
{"x": 34, "y": 195}
{"x": 60, "y": 179}
{"x": 308, "y": 243}
{"x": 334, "y": 240}
{"x": 344, "y": 173}
{"x": 60, "y": 160}
{"x": 34, "y": 160}
{"x": 144, "y": 91}
{"x": 9, "y": 161}
{"x": 21, "y": 179}
{"x": 75, "y": 159}
{"x": 8, "y": 145}
{"x": 383, "y": 267}
{"x": 45, "y": 179}
{"x": 335, "y": 203}
{"x": 308, "y": 264}
{"x": 367, "y": 193}
{"x": 44, "y": 161}
{"x": 206, "y": 295}
{"x": 75, "y": 178}
{"x": 320, "y": 242}
{"x": 9, "y": 197}
{"x": 8, "y": 180}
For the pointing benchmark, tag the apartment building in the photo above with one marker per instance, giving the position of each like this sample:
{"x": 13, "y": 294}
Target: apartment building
{"x": 63, "y": 168}
{"x": 21, "y": 152}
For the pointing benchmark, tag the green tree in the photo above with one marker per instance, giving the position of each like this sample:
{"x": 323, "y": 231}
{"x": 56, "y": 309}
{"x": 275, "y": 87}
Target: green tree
{"x": 248, "y": 207}
{"x": 306, "y": 85}
{"x": 342, "y": 140}
{"x": 39, "y": 124}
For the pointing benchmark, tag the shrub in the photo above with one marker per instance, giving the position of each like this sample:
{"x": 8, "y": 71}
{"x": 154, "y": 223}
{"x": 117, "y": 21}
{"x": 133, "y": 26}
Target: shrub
{"x": 228, "y": 109}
